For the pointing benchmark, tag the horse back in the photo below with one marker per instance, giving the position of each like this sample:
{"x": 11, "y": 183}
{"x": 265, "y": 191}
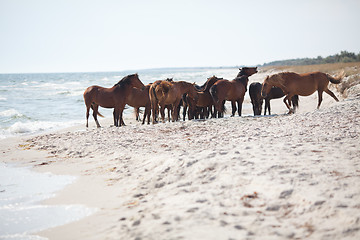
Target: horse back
{"x": 138, "y": 97}
{"x": 305, "y": 84}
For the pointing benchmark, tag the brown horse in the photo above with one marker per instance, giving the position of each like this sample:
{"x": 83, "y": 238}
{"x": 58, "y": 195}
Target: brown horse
{"x": 114, "y": 97}
{"x": 140, "y": 98}
{"x": 233, "y": 90}
{"x": 247, "y": 71}
{"x": 300, "y": 84}
{"x": 205, "y": 101}
{"x": 257, "y": 99}
{"x": 169, "y": 93}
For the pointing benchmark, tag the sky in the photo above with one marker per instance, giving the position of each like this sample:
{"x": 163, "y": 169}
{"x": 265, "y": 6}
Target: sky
{"x": 117, "y": 35}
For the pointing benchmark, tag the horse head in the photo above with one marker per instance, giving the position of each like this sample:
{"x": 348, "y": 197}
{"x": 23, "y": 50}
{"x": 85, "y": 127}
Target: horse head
{"x": 131, "y": 80}
{"x": 266, "y": 87}
{"x": 247, "y": 71}
{"x": 135, "y": 81}
{"x": 193, "y": 92}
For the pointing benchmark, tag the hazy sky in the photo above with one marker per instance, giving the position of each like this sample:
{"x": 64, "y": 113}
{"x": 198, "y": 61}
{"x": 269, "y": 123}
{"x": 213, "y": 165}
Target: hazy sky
{"x": 110, "y": 35}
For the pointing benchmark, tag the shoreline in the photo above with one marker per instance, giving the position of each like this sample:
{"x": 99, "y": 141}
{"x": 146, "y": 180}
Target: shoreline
{"x": 275, "y": 177}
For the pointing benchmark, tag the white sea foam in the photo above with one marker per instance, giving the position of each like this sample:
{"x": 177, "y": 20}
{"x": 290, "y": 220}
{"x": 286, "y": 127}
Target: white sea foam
{"x": 3, "y": 98}
{"x": 20, "y": 214}
{"x": 29, "y": 127}
{"x": 10, "y": 113}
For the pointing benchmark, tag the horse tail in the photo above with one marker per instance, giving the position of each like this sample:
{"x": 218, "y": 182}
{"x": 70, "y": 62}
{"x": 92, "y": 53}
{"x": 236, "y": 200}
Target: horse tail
{"x": 98, "y": 113}
{"x": 153, "y": 93}
{"x": 213, "y": 92}
{"x": 337, "y": 79}
{"x": 295, "y": 101}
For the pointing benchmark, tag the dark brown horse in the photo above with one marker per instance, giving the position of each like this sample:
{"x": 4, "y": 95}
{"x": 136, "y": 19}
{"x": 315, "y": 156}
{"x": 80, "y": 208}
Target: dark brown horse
{"x": 169, "y": 93}
{"x": 234, "y": 91}
{"x": 247, "y": 71}
{"x": 204, "y": 102}
{"x": 140, "y": 98}
{"x": 300, "y": 84}
{"x": 257, "y": 99}
{"x": 114, "y": 97}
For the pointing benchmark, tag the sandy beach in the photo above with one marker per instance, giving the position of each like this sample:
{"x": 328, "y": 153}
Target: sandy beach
{"x": 268, "y": 177}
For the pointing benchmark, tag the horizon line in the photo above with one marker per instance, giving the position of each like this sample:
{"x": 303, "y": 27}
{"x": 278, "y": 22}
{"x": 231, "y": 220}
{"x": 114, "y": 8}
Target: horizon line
{"x": 127, "y": 70}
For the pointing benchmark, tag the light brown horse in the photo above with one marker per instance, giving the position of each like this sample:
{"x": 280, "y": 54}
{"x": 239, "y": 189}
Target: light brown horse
{"x": 140, "y": 98}
{"x": 300, "y": 84}
{"x": 169, "y": 93}
{"x": 114, "y": 97}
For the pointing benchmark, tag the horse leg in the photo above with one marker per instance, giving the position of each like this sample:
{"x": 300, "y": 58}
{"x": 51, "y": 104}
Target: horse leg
{"x": 331, "y": 94}
{"x": 176, "y": 110}
{"x": 87, "y": 116}
{"x": 145, "y": 114}
{"x": 155, "y": 110}
{"x": 168, "y": 112}
{"x": 267, "y": 106}
{"x": 137, "y": 114}
{"x": 240, "y": 102}
{"x": 233, "y": 106}
{"x": 115, "y": 117}
{"x": 320, "y": 98}
{"x": 95, "y": 111}
{"x": 286, "y": 98}
{"x": 121, "y": 121}
{"x": 162, "y": 113}
{"x": 185, "y": 108}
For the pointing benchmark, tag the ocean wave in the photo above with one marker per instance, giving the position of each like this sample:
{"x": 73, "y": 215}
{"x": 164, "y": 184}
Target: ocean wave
{"x": 70, "y": 93}
{"x": 33, "y": 127}
{"x": 10, "y": 113}
{"x": 3, "y": 98}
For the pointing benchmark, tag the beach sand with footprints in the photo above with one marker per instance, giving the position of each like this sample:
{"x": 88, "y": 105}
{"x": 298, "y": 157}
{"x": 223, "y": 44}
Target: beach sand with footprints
{"x": 268, "y": 177}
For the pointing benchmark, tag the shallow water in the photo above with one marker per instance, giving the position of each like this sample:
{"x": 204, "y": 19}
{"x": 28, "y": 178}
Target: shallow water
{"x": 21, "y": 192}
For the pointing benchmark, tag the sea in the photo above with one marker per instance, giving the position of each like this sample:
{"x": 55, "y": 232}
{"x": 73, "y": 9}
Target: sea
{"x": 39, "y": 103}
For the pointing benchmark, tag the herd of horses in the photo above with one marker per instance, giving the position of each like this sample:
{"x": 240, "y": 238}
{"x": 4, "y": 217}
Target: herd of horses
{"x": 207, "y": 100}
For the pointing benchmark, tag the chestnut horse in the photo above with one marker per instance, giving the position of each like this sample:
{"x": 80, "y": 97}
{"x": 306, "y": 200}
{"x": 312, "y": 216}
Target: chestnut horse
{"x": 140, "y": 98}
{"x": 300, "y": 84}
{"x": 257, "y": 99}
{"x": 169, "y": 93}
{"x": 233, "y": 90}
{"x": 114, "y": 97}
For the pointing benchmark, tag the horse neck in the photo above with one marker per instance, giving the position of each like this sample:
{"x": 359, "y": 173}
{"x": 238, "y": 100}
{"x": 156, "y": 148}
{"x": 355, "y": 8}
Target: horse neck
{"x": 242, "y": 73}
{"x": 209, "y": 84}
{"x": 280, "y": 83}
{"x": 243, "y": 80}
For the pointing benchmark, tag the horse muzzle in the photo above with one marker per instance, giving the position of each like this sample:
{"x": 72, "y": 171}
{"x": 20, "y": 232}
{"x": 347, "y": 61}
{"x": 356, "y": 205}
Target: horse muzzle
{"x": 263, "y": 94}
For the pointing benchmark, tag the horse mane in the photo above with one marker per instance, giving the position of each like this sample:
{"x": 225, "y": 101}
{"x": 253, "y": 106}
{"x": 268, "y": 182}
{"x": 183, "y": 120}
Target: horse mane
{"x": 242, "y": 72}
{"x": 208, "y": 84}
{"x": 125, "y": 80}
{"x": 166, "y": 85}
